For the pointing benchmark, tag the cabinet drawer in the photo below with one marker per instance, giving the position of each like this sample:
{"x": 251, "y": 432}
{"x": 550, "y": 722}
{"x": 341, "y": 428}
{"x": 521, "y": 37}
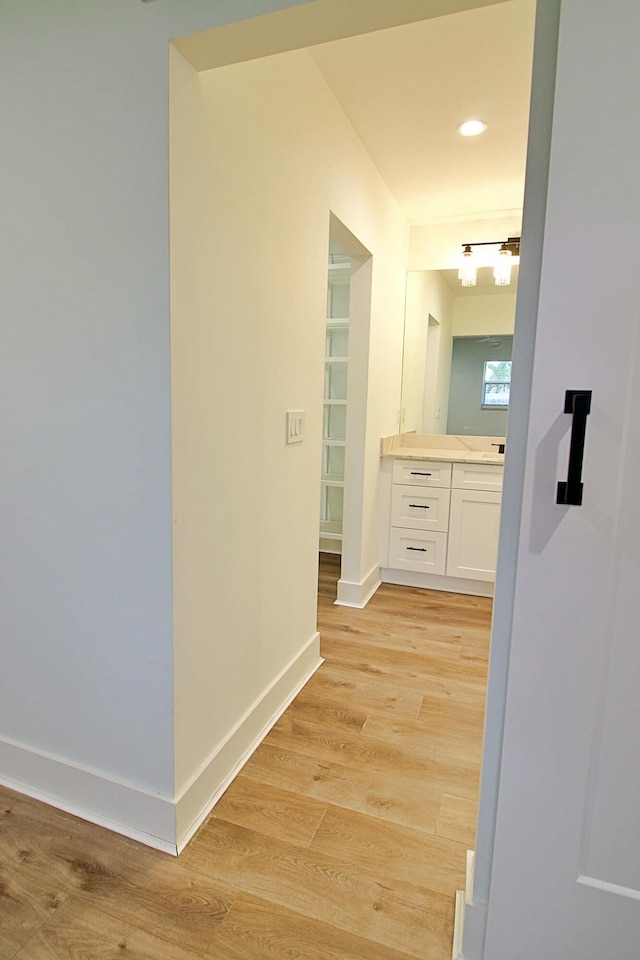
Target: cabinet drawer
{"x": 424, "y": 473}
{"x": 419, "y": 509}
{"x": 417, "y": 550}
{"x": 477, "y": 476}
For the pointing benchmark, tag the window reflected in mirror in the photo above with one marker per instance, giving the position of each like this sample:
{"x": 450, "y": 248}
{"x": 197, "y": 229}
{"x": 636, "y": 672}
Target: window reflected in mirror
{"x": 496, "y": 383}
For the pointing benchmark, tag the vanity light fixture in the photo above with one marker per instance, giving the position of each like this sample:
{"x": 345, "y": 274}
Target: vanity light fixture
{"x": 508, "y": 255}
{"x": 468, "y": 272}
{"x": 502, "y": 269}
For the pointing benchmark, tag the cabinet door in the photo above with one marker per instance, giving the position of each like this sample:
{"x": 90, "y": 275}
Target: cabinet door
{"x": 473, "y": 534}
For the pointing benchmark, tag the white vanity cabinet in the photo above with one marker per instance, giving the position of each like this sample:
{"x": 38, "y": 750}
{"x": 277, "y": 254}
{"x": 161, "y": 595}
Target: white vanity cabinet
{"x": 440, "y": 523}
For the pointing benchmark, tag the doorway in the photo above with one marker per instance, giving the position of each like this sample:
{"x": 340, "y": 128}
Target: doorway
{"x": 346, "y": 377}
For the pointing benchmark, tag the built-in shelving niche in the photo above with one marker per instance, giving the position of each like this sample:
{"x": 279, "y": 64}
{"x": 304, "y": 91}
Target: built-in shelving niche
{"x": 336, "y": 366}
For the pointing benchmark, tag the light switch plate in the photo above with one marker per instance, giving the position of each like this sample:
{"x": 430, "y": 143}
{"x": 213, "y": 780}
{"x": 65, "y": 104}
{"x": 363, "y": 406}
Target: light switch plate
{"x": 295, "y": 426}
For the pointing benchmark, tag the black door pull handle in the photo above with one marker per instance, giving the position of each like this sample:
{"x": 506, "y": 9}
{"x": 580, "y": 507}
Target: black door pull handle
{"x": 419, "y": 506}
{"x": 578, "y": 404}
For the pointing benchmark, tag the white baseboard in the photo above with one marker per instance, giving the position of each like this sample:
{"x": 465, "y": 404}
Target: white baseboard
{"x": 469, "y": 919}
{"x": 434, "y": 581}
{"x": 122, "y": 807}
{"x": 330, "y": 546}
{"x": 458, "y": 926}
{"x": 206, "y": 786}
{"x": 351, "y": 594}
{"x": 158, "y": 821}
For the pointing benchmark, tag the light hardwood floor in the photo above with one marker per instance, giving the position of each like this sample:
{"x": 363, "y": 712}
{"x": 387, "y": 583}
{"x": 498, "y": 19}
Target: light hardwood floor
{"x": 344, "y": 837}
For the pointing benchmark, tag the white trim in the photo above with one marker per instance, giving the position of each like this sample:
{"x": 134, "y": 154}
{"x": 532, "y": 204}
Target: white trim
{"x": 469, "y": 919}
{"x": 473, "y": 934}
{"x": 205, "y": 787}
{"x": 159, "y": 821}
{"x": 352, "y": 594}
{"x": 533, "y": 228}
{"x": 464, "y": 903}
{"x": 123, "y": 807}
{"x": 630, "y": 892}
{"x": 468, "y": 878}
{"x": 458, "y": 926}
{"x": 435, "y": 581}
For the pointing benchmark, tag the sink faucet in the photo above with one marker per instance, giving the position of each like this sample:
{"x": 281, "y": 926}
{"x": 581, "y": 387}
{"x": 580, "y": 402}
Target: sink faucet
{"x": 500, "y": 447}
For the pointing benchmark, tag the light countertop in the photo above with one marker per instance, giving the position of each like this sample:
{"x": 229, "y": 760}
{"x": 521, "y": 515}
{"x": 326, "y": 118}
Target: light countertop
{"x": 457, "y": 449}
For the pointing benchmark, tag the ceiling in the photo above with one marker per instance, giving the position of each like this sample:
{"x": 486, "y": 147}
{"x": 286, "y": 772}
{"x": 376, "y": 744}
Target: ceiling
{"x": 406, "y": 89}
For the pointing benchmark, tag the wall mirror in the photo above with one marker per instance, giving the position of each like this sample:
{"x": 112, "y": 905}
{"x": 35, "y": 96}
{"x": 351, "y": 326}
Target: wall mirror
{"x": 450, "y": 334}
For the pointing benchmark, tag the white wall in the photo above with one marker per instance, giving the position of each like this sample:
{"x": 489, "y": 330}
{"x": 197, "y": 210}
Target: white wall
{"x": 260, "y": 156}
{"x": 85, "y": 559}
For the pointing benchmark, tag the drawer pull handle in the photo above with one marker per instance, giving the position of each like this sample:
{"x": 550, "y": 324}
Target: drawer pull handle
{"x": 417, "y": 473}
{"x": 419, "y": 506}
{"x": 418, "y": 549}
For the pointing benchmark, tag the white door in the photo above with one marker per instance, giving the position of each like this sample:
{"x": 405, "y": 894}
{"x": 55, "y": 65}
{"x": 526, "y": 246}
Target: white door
{"x": 565, "y": 882}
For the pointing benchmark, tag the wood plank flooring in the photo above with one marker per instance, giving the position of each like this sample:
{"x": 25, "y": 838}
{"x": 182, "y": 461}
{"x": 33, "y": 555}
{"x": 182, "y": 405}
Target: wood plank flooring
{"x": 344, "y": 837}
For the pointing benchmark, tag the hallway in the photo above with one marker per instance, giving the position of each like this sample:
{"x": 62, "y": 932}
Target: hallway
{"x": 344, "y": 836}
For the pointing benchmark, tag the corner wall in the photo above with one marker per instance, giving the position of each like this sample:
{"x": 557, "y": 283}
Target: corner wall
{"x": 86, "y": 685}
{"x": 260, "y": 155}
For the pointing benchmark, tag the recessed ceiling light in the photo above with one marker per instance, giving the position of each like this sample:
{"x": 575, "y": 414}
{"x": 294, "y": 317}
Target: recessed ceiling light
{"x": 471, "y": 128}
